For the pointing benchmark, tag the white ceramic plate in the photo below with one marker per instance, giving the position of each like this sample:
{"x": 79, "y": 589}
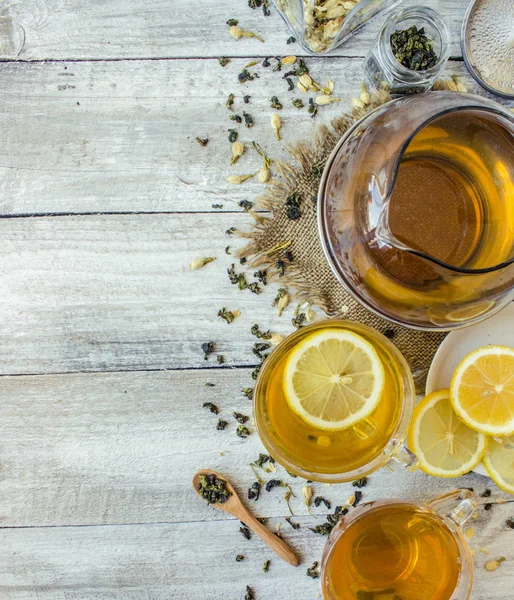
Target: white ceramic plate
{"x": 456, "y": 345}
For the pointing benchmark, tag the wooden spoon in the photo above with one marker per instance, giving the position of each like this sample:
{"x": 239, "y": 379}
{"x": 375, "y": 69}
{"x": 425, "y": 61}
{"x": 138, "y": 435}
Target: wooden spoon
{"x": 234, "y": 506}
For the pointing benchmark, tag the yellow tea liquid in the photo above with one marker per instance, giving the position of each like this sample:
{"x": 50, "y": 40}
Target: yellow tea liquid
{"x": 395, "y": 552}
{"x": 300, "y": 446}
{"x": 452, "y": 200}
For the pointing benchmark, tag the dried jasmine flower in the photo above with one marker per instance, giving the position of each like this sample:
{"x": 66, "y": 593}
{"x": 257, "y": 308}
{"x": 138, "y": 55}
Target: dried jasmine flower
{"x": 246, "y": 205}
{"x": 236, "y": 118}
{"x": 292, "y": 205}
{"x": 360, "y": 483}
{"x": 219, "y": 206}
{"x": 364, "y": 96}
{"x": 232, "y": 135}
{"x": 255, "y": 491}
{"x": 307, "y": 494}
{"x": 412, "y": 49}
{"x": 291, "y": 40}
{"x": 213, "y": 489}
{"x": 261, "y": 275}
{"x": 221, "y": 359}
{"x": 262, "y": 335}
{"x": 323, "y": 100}
{"x": 313, "y": 570}
{"x": 230, "y": 231}
{"x": 226, "y": 315}
{"x": 298, "y": 320}
{"x": 245, "y": 532}
{"x": 240, "y": 557}
{"x": 198, "y": 263}
{"x": 212, "y": 407}
{"x": 246, "y": 99}
{"x": 245, "y": 76}
{"x": 313, "y": 111}
{"x": 275, "y": 103}
{"x": 223, "y": 60}
{"x": 221, "y": 425}
{"x": 297, "y": 103}
{"x": 203, "y": 142}
{"x": 237, "y": 151}
{"x": 232, "y": 22}
{"x": 237, "y": 33}
{"x": 319, "y": 499}
{"x": 275, "y": 123}
{"x": 281, "y": 300}
{"x": 254, "y": 288}
{"x": 248, "y": 119}
{"x": 492, "y": 565}
{"x": 230, "y": 102}
{"x": 238, "y": 179}
{"x": 357, "y": 103}
{"x": 249, "y": 593}
{"x": 293, "y": 525}
{"x": 265, "y": 566}
{"x": 240, "y": 418}
{"x": 207, "y": 348}
{"x": 248, "y": 392}
{"x": 243, "y": 431}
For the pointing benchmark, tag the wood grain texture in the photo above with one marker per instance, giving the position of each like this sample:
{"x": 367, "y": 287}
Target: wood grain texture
{"x": 109, "y": 448}
{"x": 107, "y": 29}
{"x": 120, "y": 136}
{"x": 192, "y": 561}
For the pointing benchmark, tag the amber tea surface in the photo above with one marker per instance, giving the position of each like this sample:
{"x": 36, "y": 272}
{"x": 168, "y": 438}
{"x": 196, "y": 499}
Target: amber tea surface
{"x": 306, "y": 449}
{"x": 397, "y": 551}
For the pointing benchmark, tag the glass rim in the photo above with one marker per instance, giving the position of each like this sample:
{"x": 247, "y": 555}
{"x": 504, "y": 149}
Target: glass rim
{"x": 431, "y": 17}
{"x": 397, "y": 437}
{"x": 465, "y": 578}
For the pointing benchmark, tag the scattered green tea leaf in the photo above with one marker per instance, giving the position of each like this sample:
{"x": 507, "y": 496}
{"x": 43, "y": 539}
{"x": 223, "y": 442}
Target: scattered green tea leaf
{"x": 212, "y": 407}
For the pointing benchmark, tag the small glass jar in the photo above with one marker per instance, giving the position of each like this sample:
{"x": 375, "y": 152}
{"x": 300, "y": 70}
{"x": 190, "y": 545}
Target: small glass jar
{"x": 383, "y": 69}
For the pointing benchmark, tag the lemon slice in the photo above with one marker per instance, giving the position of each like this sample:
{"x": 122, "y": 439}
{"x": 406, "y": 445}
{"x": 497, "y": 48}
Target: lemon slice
{"x": 499, "y": 462}
{"x": 333, "y": 379}
{"x": 482, "y": 390}
{"x": 444, "y": 445}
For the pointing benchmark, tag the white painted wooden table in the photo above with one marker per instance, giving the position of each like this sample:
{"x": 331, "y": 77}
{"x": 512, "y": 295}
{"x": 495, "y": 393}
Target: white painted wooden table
{"x": 102, "y": 375}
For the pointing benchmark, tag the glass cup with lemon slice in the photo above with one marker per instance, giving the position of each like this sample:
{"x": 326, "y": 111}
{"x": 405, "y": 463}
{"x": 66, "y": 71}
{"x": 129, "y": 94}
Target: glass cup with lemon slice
{"x": 333, "y": 402}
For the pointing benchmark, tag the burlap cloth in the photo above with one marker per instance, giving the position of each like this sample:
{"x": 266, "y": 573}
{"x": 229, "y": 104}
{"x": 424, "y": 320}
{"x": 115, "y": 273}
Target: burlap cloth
{"x": 309, "y": 273}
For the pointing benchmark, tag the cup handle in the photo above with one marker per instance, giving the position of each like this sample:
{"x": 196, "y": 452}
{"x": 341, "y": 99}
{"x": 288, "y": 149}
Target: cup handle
{"x": 458, "y": 506}
{"x": 399, "y": 454}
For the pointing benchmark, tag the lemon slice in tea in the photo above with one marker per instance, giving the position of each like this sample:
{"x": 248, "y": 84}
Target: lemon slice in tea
{"x": 499, "y": 462}
{"x": 482, "y": 390}
{"x": 333, "y": 379}
{"x": 445, "y": 445}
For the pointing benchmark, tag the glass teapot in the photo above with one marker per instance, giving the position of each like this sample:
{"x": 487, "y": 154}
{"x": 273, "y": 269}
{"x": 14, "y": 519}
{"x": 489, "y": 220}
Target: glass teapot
{"x": 416, "y": 210}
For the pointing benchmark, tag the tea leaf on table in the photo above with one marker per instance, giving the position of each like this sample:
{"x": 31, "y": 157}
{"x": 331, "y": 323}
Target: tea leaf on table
{"x": 240, "y": 557}
{"x": 213, "y": 489}
{"x": 293, "y": 525}
{"x": 226, "y": 315}
{"x": 232, "y": 22}
{"x": 291, "y": 40}
{"x": 230, "y": 231}
{"x": 212, "y": 407}
{"x": 236, "y": 118}
{"x": 203, "y": 142}
{"x": 275, "y": 103}
{"x": 249, "y": 593}
{"x": 232, "y": 135}
{"x": 254, "y": 288}
{"x": 246, "y": 205}
{"x": 248, "y": 392}
{"x": 209, "y": 384}
{"x": 243, "y": 431}
{"x": 262, "y": 335}
{"x": 221, "y": 425}
{"x": 297, "y": 103}
{"x": 262, "y": 276}
{"x": 249, "y": 122}
{"x": 360, "y": 483}
{"x": 313, "y": 570}
{"x": 265, "y": 566}
{"x": 245, "y": 532}
{"x": 240, "y": 418}
{"x": 254, "y": 491}
{"x": 319, "y": 499}
{"x": 221, "y": 359}
{"x": 230, "y": 102}
{"x": 223, "y": 60}
{"x": 207, "y": 348}
{"x": 298, "y": 320}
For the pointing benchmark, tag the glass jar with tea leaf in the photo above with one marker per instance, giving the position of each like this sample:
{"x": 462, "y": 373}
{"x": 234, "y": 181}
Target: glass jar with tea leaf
{"x": 410, "y": 51}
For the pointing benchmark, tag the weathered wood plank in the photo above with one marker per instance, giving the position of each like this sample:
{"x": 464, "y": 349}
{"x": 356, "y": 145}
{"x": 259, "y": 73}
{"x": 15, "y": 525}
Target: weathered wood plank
{"x": 116, "y": 137}
{"x": 109, "y": 448}
{"x": 195, "y": 560}
{"x": 129, "y": 28}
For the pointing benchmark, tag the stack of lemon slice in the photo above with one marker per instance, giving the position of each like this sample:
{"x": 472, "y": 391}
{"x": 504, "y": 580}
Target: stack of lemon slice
{"x": 453, "y": 430}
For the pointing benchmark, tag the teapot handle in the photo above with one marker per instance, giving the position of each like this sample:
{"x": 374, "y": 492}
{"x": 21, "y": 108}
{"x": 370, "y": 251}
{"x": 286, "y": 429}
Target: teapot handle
{"x": 458, "y": 506}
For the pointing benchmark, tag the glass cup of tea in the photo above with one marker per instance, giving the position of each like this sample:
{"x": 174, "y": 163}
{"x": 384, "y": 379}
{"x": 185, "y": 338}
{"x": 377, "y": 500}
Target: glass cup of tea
{"x": 333, "y": 402}
{"x": 397, "y": 549}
